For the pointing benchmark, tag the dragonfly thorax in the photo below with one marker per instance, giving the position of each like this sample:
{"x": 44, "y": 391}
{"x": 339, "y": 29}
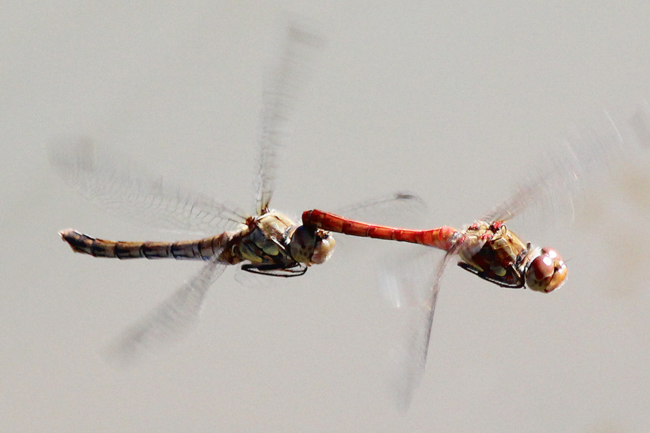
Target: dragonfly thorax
{"x": 494, "y": 253}
{"x": 498, "y": 255}
{"x": 263, "y": 239}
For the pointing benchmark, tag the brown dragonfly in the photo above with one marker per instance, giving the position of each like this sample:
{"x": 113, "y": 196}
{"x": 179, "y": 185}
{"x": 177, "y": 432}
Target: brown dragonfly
{"x": 267, "y": 243}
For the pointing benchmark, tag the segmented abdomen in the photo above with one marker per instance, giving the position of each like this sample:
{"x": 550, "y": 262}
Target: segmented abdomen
{"x": 441, "y": 237}
{"x": 201, "y": 249}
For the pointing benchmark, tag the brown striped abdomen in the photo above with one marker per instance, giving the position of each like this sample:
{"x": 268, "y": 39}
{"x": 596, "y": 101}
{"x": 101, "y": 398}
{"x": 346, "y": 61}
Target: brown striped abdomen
{"x": 441, "y": 237}
{"x": 201, "y": 249}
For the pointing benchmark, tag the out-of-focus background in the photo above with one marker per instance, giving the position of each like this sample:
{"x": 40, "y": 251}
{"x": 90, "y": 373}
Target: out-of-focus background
{"x": 450, "y": 101}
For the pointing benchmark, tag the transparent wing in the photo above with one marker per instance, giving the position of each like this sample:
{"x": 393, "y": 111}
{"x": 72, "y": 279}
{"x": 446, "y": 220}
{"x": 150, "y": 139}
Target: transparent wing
{"x": 413, "y": 291}
{"x": 586, "y": 156}
{"x": 281, "y": 92}
{"x": 400, "y": 209}
{"x": 123, "y": 189}
{"x": 172, "y": 319}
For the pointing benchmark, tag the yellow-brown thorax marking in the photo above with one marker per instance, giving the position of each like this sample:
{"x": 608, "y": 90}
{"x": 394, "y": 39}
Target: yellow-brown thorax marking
{"x": 261, "y": 240}
{"x": 493, "y": 250}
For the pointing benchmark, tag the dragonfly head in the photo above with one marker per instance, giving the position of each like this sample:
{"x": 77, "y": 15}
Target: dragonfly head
{"x": 311, "y": 246}
{"x": 546, "y": 272}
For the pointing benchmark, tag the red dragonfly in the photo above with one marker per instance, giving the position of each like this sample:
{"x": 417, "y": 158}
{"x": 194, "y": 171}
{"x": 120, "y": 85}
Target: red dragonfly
{"x": 487, "y": 248}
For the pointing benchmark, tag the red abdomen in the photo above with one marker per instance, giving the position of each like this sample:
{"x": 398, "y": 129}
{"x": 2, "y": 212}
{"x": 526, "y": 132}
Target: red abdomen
{"x": 441, "y": 237}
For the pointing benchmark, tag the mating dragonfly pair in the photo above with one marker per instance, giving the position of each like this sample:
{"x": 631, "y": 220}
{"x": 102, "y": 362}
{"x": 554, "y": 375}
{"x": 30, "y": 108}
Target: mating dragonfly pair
{"x": 270, "y": 243}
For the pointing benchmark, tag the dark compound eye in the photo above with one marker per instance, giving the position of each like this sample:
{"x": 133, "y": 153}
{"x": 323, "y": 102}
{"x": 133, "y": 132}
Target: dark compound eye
{"x": 311, "y": 246}
{"x": 324, "y": 248}
{"x": 546, "y": 272}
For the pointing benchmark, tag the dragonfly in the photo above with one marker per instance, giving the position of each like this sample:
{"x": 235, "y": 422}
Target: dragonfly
{"x": 267, "y": 243}
{"x": 488, "y": 248}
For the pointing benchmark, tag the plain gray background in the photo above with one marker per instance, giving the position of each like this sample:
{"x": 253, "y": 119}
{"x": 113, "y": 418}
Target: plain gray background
{"x": 450, "y": 100}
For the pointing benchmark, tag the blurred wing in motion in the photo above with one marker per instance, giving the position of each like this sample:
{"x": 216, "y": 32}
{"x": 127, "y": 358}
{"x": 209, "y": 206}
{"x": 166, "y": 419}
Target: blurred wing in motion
{"x": 170, "y": 320}
{"x": 588, "y": 155}
{"x": 279, "y": 99}
{"x": 123, "y": 189}
{"x": 413, "y": 290}
{"x": 410, "y": 284}
{"x": 400, "y": 209}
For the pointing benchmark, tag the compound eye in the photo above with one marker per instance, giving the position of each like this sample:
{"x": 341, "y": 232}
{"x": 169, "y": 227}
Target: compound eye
{"x": 546, "y": 272}
{"x": 310, "y": 246}
{"x": 324, "y": 248}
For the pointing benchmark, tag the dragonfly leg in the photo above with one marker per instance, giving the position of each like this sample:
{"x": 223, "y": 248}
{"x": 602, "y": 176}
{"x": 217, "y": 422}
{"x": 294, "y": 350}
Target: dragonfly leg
{"x": 484, "y": 275}
{"x": 275, "y": 269}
